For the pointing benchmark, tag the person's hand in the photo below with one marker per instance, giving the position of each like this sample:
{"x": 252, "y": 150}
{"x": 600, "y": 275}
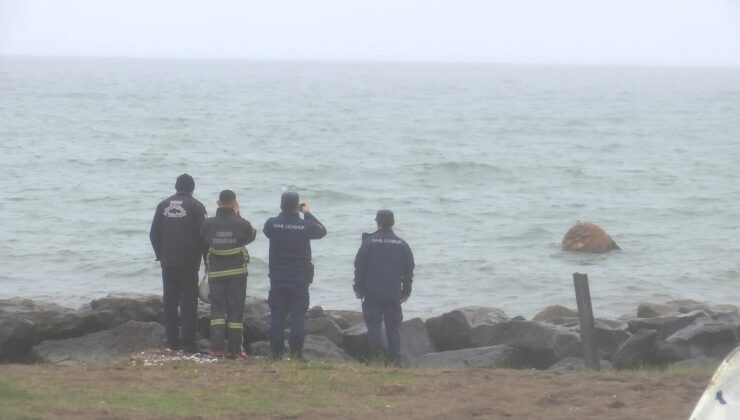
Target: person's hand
{"x": 304, "y": 208}
{"x": 358, "y": 293}
{"x": 404, "y": 299}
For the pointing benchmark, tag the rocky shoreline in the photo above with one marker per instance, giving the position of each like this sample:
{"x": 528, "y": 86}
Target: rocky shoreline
{"x": 114, "y": 328}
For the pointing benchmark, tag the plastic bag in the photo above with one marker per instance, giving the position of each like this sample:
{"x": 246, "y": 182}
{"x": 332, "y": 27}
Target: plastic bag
{"x": 204, "y": 290}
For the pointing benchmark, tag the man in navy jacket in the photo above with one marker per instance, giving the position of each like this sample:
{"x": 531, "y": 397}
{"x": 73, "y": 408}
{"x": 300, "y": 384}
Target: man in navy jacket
{"x": 175, "y": 237}
{"x": 384, "y": 271}
{"x": 291, "y": 271}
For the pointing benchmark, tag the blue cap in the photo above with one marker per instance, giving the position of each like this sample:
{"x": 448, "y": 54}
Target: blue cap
{"x": 289, "y": 201}
{"x": 385, "y": 218}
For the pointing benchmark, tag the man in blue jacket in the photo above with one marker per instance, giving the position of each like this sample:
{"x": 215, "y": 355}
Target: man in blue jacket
{"x": 175, "y": 237}
{"x": 384, "y": 271}
{"x": 291, "y": 271}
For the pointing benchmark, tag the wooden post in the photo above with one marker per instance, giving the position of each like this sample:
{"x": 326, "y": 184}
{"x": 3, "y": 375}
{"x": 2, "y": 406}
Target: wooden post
{"x": 586, "y": 316}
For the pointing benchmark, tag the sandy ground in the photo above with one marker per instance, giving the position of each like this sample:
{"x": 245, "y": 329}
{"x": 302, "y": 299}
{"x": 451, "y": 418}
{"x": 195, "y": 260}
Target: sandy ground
{"x": 435, "y": 394}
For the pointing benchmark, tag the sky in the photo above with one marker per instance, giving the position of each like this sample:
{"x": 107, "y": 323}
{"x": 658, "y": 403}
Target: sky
{"x": 600, "y": 32}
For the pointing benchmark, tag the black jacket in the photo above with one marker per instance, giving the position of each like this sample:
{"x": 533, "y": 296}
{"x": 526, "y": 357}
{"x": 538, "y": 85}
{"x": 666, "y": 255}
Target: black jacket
{"x": 224, "y": 238}
{"x": 290, "y": 245}
{"x": 383, "y": 265}
{"x": 175, "y": 231}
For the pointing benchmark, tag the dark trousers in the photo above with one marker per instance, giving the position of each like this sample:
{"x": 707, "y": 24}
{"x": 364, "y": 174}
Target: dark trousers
{"x": 227, "y": 312}
{"x": 283, "y": 298}
{"x": 375, "y": 313}
{"x": 180, "y": 289}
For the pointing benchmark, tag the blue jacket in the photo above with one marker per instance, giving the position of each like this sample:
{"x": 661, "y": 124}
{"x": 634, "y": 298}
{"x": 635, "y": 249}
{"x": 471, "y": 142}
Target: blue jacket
{"x": 290, "y": 245}
{"x": 384, "y": 263}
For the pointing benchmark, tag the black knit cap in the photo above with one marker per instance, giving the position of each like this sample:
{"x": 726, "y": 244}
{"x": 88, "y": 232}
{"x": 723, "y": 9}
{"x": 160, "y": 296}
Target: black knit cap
{"x": 385, "y": 218}
{"x": 185, "y": 183}
{"x": 289, "y": 201}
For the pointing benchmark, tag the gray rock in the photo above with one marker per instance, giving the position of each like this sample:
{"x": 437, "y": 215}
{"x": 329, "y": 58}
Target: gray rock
{"x": 701, "y": 362}
{"x": 118, "y": 308}
{"x": 555, "y": 311}
{"x": 259, "y": 348}
{"x": 316, "y": 312}
{"x": 665, "y": 325}
{"x": 450, "y": 331}
{"x": 500, "y": 356}
{"x": 705, "y": 337}
{"x": 255, "y": 329}
{"x": 415, "y": 341}
{"x": 51, "y": 321}
{"x": 577, "y": 363}
{"x": 346, "y": 319}
{"x": 17, "y": 336}
{"x": 108, "y": 346}
{"x": 317, "y": 347}
{"x": 256, "y": 308}
{"x": 541, "y": 344}
{"x": 639, "y": 349}
{"x": 682, "y": 306}
{"x": 314, "y": 348}
{"x": 325, "y": 327}
{"x": 610, "y": 335}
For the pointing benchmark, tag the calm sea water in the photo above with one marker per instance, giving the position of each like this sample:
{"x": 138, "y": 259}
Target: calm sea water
{"x": 485, "y": 166}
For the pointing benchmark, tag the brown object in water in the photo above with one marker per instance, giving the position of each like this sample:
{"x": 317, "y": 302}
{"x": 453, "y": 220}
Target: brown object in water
{"x": 588, "y": 237}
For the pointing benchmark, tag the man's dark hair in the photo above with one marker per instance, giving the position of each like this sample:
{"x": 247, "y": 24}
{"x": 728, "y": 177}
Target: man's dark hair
{"x": 227, "y": 197}
{"x": 185, "y": 183}
{"x": 385, "y": 218}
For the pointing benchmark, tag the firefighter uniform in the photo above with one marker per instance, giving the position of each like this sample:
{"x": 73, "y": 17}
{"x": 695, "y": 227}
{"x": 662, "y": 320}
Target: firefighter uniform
{"x": 224, "y": 238}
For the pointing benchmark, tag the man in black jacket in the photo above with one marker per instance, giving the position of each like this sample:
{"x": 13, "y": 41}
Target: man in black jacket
{"x": 175, "y": 237}
{"x": 224, "y": 239}
{"x": 384, "y": 271}
{"x": 291, "y": 271}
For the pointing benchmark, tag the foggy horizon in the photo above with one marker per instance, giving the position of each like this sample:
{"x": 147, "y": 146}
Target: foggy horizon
{"x": 657, "y": 33}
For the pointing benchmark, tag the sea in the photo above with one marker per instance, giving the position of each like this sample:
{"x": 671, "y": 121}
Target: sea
{"x": 486, "y": 167}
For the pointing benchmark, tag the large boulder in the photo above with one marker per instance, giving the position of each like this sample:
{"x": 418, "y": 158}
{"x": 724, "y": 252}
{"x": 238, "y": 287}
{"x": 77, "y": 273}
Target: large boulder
{"x": 256, "y": 308}
{"x": 118, "y": 308}
{"x": 317, "y": 347}
{"x": 17, "y": 336}
{"x": 541, "y": 344}
{"x": 713, "y": 337}
{"x": 500, "y": 356}
{"x": 610, "y": 336}
{"x": 326, "y": 327}
{"x": 640, "y": 349}
{"x": 346, "y": 319}
{"x": 682, "y": 306}
{"x": 555, "y": 311}
{"x": 51, "y": 321}
{"x": 108, "y": 346}
{"x": 314, "y": 348}
{"x": 255, "y": 329}
{"x": 588, "y": 237}
{"x": 665, "y": 325}
{"x": 415, "y": 341}
{"x": 450, "y": 331}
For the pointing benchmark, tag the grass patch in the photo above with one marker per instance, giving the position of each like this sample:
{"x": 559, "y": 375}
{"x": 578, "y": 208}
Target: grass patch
{"x": 188, "y": 389}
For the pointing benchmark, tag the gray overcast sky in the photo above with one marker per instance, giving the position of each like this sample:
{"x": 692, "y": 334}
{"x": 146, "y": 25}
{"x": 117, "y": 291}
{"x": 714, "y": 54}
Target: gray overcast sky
{"x": 650, "y": 32}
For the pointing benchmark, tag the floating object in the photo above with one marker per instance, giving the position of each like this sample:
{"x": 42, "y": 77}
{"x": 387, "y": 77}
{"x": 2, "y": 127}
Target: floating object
{"x": 721, "y": 400}
{"x": 204, "y": 290}
{"x": 588, "y": 237}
